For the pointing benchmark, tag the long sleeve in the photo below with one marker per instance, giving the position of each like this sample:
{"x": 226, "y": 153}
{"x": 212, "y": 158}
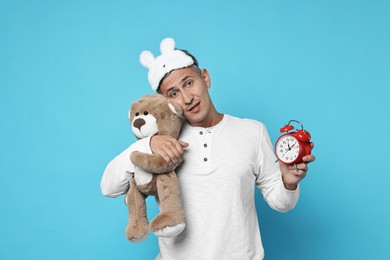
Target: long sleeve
{"x": 269, "y": 178}
{"x": 116, "y": 177}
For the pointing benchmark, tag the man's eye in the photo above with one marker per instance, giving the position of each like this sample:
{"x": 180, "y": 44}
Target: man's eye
{"x": 189, "y": 83}
{"x": 173, "y": 94}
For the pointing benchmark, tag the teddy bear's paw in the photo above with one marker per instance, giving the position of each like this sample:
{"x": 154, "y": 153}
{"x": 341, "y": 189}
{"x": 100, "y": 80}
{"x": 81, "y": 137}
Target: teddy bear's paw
{"x": 137, "y": 233}
{"x": 137, "y": 240}
{"x": 170, "y": 231}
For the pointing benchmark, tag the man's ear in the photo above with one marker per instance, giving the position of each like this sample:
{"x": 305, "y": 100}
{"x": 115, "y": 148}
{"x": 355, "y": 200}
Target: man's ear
{"x": 206, "y": 78}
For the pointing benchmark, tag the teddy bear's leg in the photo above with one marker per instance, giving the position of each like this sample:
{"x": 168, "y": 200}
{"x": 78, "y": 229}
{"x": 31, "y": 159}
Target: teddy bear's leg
{"x": 151, "y": 162}
{"x": 137, "y": 228}
{"x": 171, "y": 220}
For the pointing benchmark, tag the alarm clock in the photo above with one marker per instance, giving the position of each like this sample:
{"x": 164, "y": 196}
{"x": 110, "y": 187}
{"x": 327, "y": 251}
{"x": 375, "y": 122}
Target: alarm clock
{"x": 291, "y": 147}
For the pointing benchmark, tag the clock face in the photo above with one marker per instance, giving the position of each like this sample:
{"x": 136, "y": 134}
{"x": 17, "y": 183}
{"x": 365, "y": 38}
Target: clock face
{"x": 287, "y": 149}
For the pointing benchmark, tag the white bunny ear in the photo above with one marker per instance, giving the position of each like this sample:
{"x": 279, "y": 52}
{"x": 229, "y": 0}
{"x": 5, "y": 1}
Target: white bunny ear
{"x": 146, "y": 58}
{"x": 167, "y": 45}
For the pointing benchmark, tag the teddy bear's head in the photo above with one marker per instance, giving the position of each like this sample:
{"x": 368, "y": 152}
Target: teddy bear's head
{"x": 155, "y": 114}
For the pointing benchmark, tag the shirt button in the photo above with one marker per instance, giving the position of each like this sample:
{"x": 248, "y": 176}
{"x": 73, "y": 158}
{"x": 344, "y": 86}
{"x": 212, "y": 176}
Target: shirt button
{"x": 205, "y": 145}
{"x": 205, "y": 159}
{"x": 201, "y": 132}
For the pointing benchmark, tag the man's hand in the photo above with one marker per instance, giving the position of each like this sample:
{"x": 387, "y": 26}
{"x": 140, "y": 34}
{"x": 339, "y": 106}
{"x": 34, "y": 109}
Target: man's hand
{"x": 169, "y": 148}
{"x": 293, "y": 174}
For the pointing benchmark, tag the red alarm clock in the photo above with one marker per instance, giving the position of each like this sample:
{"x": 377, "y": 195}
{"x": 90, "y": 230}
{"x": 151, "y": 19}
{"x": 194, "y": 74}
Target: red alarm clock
{"x": 291, "y": 147}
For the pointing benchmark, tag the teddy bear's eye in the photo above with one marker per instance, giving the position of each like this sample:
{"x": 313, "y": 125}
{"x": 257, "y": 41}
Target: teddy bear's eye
{"x": 137, "y": 114}
{"x": 146, "y": 113}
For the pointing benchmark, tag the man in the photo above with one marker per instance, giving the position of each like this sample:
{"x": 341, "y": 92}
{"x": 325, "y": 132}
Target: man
{"x": 225, "y": 158}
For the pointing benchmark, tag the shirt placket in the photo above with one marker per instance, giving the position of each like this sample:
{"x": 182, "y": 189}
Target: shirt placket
{"x": 205, "y": 138}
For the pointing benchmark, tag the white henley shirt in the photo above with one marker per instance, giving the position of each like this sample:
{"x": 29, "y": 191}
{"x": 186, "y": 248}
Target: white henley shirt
{"x": 222, "y": 166}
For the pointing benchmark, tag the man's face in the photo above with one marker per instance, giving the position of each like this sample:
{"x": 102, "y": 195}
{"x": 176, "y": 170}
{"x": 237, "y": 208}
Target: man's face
{"x": 189, "y": 88}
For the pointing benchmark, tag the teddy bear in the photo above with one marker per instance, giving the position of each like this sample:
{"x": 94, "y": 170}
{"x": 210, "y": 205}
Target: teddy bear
{"x": 150, "y": 115}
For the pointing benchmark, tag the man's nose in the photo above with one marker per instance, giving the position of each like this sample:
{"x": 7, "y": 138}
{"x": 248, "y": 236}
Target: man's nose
{"x": 187, "y": 97}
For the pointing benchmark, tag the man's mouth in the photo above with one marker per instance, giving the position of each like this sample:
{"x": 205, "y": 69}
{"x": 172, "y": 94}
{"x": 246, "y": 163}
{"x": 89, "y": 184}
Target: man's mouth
{"x": 194, "y": 108}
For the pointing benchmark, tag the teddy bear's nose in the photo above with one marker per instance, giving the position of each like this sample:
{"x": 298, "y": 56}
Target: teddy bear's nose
{"x": 139, "y": 123}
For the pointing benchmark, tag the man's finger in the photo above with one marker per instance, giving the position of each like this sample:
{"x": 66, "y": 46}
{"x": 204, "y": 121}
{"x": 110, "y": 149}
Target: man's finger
{"x": 178, "y": 148}
{"x": 303, "y": 167}
{"x": 309, "y": 158}
{"x": 166, "y": 157}
{"x": 298, "y": 168}
{"x": 183, "y": 144}
{"x": 300, "y": 174}
{"x": 171, "y": 152}
{"x": 175, "y": 154}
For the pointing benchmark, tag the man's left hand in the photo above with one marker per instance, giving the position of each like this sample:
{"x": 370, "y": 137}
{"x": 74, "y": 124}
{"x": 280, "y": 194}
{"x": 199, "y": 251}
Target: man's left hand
{"x": 293, "y": 174}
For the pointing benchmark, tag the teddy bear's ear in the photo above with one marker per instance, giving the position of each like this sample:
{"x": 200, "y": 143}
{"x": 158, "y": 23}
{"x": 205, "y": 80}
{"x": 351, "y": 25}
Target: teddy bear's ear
{"x": 175, "y": 108}
{"x": 146, "y": 58}
{"x": 167, "y": 45}
{"x": 129, "y": 114}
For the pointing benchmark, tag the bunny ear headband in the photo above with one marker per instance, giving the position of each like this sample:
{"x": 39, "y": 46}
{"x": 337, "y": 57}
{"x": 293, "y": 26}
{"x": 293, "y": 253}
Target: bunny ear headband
{"x": 170, "y": 59}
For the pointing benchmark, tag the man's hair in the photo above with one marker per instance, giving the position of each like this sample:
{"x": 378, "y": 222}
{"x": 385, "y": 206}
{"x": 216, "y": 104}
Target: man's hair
{"x": 194, "y": 67}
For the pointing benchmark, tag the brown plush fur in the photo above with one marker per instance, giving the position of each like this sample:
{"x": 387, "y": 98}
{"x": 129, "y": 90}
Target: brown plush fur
{"x": 164, "y": 183}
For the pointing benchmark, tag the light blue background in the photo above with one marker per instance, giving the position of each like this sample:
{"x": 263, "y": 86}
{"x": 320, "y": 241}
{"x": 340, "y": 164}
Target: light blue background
{"x": 69, "y": 71}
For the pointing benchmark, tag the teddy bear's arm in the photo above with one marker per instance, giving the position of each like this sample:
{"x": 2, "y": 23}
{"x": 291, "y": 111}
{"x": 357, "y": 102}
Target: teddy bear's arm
{"x": 151, "y": 162}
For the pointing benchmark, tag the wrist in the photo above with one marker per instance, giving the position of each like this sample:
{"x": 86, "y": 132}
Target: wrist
{"x": 291, "y": 187}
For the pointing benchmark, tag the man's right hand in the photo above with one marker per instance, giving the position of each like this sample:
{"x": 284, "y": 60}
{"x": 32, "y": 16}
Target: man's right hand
{"x": 171, "y": 149}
